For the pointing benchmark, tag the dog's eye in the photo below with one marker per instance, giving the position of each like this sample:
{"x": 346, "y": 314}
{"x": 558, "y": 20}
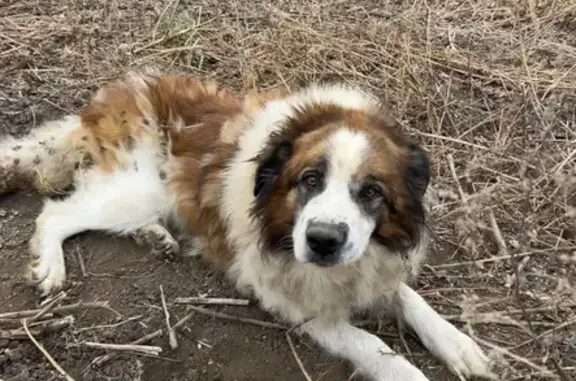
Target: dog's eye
{"x": 311, "y": 179}
{"x": 371, "y": 192}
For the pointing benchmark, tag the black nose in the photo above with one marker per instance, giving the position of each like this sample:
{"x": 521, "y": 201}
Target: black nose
{"x": 326, "y": 239}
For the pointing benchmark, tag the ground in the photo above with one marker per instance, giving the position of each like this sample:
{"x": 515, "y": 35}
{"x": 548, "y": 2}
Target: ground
{"x": 488, "y": 87}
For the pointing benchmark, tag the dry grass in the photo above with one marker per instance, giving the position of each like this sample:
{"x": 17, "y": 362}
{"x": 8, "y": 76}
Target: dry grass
{"x": 488, "y": 86}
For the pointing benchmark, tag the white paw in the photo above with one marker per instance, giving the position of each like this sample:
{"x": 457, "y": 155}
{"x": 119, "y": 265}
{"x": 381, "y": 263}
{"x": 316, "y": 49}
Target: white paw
{"x": 465, "y": 357}
{"x": 47, "y": 270}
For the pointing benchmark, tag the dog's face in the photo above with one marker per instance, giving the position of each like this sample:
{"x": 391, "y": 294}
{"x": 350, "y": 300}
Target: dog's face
{"x": 333, "y": 180}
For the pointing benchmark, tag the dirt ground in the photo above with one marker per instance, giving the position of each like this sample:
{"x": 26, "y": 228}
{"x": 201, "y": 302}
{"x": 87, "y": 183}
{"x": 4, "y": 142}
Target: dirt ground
{"x": 488, "y": 87}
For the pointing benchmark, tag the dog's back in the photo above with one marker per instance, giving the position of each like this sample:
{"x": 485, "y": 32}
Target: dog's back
{"x": 138, "y": 109}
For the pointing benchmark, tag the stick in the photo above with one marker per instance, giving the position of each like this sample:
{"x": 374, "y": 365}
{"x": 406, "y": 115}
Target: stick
{"x": 224, "y": 316}
{"x": 108, "y": 326}
{"x": 81, "y": 262}
{"x": 297, "y": 358}
{"x": 150, "y": 350}
{"x": 38, "y": 328}
{"x": 49, "y": 307}
{"x": 521, "y": 359}
{"x": 60, "y": 309}
{"x": 151, "y": 336}
{"x": 171, "y": 334}
{"x": 486, "y": 260}
{"x": 45, "y": 353}
{"x": 497, "y": 234}
{"x": 546, "y": 333}
{"x": 455, "y": 177}
{"x": 212, "y": 301}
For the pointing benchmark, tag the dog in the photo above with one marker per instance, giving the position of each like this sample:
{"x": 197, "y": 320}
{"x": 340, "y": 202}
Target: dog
{"x": 313, "y": 202}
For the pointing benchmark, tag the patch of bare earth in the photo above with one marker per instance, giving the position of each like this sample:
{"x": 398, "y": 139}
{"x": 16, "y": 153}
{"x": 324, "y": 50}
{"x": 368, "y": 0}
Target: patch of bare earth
{"x": 488, "y": 86}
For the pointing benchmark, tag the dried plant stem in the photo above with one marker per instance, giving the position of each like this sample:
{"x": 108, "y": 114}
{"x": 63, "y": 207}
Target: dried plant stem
{"x": 297, "y": 358}
{"x": 38, "y": 328}
{"x": 213, "y": 301}
{"x": 171, "y": 334}
{"x": 45, "y": 353}
{"x": 221, "y": 315}
{"x": 60, "y": 309}
{"x": 514, "y": 356}
{"x": 144, "y": 339}
{"x": 49, "y": 307}
{"x": 149, "y": 350}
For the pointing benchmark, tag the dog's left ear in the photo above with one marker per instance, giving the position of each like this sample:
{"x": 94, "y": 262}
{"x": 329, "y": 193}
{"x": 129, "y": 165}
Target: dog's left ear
{"x": 417, "y": 173}
{"x": 269, "y": 168}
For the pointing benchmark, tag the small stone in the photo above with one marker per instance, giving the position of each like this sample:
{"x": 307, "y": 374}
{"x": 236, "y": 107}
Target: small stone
{"x": 3, "y": 213}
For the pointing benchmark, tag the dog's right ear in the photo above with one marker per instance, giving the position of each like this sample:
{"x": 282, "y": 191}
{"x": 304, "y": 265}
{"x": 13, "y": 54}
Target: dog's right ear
{"x": 270, "y": 164}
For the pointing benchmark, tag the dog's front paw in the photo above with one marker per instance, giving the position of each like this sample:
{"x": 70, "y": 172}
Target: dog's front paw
{"x": 47, "y": 270}
{"x": 466, "y": 358}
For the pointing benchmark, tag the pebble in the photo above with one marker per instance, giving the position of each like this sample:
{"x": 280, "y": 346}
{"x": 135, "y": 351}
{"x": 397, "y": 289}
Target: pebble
{"x": 3, "y": 213}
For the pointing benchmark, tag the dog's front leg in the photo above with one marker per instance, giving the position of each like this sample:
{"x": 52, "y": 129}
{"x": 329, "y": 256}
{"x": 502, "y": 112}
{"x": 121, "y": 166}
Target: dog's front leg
{"x": 370, "y": 355}
{"x": 455, "y": 348}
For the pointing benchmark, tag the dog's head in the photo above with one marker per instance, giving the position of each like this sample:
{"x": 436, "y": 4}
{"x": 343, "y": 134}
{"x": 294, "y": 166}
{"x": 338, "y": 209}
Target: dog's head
{"x": 334, "y": 179}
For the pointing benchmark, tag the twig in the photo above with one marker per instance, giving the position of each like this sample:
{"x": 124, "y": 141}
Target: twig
{"x": 49, "y": 307}
{"x": 151, "y": 336}
{"x": 486, "y": 260}
{"x": 81, "y": 262}
{"x": 497, "y": 234}
{"x": 45, "y": 353}
{"x": 455, "y": 177}
{"x": 213, "y": 301}
{"x": 171, "y": 334}
{"x": 224, "y": 316}
{"x": 400, "y": 325}
{"x": 38, "y": 328}
{"x": 521, "y": 359}
{"x": 546, "y": 333}
{"x": 60, "y": 309}
{"x": 150, "y": 350}
{"x": 297, "y": 358}
{"x": 107, "y": 326}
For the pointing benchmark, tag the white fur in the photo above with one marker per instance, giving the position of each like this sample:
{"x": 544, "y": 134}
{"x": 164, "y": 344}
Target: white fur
{"x": 347, "y": 151}
{"x": 120, "y": 202}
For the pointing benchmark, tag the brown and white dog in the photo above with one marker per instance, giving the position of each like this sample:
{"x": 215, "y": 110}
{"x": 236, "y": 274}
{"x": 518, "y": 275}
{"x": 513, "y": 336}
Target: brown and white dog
{"x": 313, "y": 202}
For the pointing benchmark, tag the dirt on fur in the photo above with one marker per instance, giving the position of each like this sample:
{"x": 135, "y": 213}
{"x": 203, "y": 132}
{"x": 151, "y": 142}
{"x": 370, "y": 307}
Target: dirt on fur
{"x": 488, "y": 87}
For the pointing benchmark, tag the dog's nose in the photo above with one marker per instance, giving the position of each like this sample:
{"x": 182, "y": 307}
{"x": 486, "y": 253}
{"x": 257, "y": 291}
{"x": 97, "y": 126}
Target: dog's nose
{"x": 325, "y": 238}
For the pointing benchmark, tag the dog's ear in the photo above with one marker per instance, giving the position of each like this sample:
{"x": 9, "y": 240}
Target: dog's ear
{"x": 417, "y": 174}
{"x": 399, "y": 229}
{"x": 270, "y": 164}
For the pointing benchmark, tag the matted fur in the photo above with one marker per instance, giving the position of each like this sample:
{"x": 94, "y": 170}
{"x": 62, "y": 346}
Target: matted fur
{"x": 170, "y": 148}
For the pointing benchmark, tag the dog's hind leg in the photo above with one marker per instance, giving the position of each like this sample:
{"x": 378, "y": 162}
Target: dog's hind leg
{"x": 158, "y": 238}
{"x": 122, "y": 201}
